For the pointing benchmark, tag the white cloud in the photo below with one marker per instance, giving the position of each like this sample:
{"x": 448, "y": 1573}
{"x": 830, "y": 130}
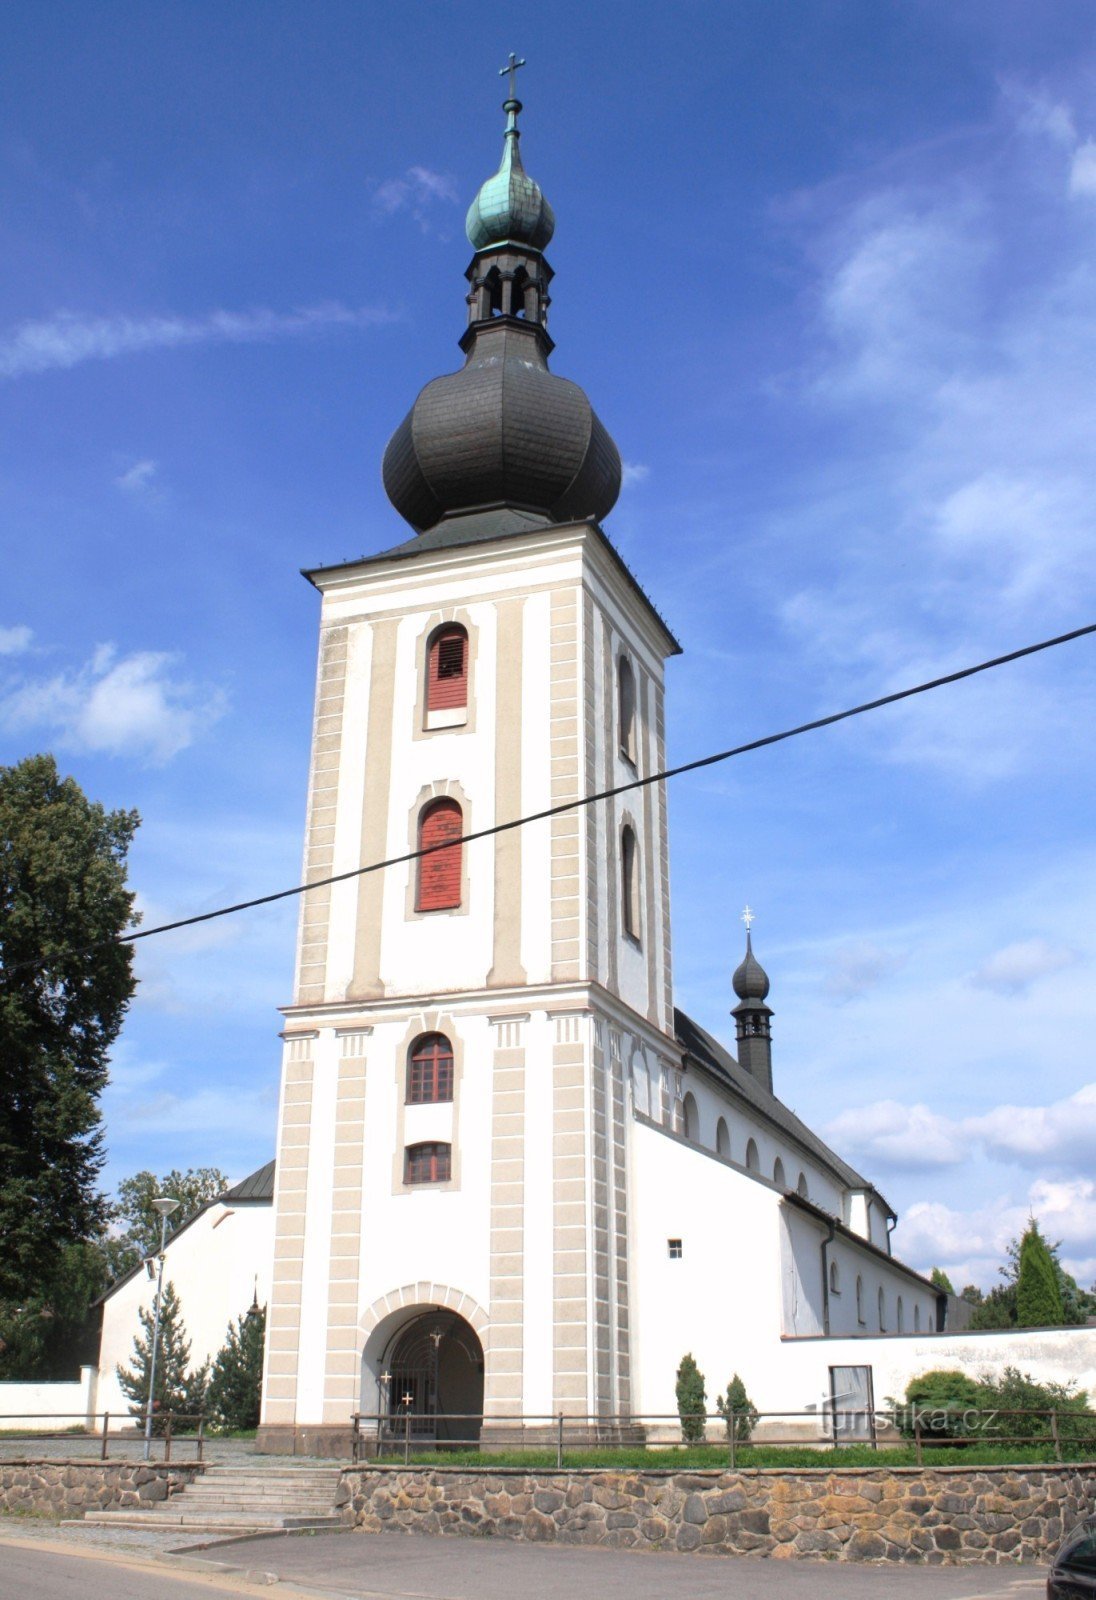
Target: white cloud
{"x": 1060, "y": 1135}
{"x": 68, "y": 338}
{"x": 899, "y": 1135}
{"x": 1037, "y": 114}
{"x": 1015, "y": 968}
{"x": 971, "y": 1245}
{"x": 243, "y": 1109}
{"x": 138, "y": 479}
{"x": 634, "y": 472}
{"x": 856, "y": 968}
{"x": 13, "y": 641}
{"x": 1082, "y": 171}
{"x": 419, "y": 192}
{"x": 1064, "y": 1132}
{"x": 118, "y": 705}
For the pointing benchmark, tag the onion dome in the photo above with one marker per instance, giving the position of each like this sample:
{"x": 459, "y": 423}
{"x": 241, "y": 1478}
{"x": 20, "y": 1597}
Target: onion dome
{"x": 510, "y": 206}
{"x": 504, "y": 440}
{"x": 751, "y": 981}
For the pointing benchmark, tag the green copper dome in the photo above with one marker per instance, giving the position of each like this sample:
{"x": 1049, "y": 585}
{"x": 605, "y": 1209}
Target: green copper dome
{"x": 510, "y": 205}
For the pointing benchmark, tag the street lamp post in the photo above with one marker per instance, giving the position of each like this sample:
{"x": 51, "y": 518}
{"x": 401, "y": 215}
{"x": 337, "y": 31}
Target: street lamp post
{"x": 165, "y": 1205}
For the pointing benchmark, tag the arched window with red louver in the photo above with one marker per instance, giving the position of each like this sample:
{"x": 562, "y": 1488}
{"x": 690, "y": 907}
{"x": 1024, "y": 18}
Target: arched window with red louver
{"x": 447, "y": 677}
{"x": 430, "y": 1070}
{"x": 440, "y": 871}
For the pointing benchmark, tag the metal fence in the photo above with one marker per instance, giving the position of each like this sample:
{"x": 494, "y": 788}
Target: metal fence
{"x": 732, "y": 1436}
{"x": 108, "y": 1436}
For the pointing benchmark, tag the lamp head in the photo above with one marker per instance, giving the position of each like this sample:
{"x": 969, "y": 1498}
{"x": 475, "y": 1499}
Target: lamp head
{"x": 165, "y": 1205}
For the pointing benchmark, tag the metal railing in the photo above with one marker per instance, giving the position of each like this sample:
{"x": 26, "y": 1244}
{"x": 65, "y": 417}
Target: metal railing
{"x": 170, "y": 1428}
{"x": 731, "y": 1437}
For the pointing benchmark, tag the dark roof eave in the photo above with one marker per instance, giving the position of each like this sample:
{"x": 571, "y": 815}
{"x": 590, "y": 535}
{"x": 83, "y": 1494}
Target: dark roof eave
{"x": 827, "y": 1218}
{"x": 410, "y": 550}
{"x": 706, "y": 1052}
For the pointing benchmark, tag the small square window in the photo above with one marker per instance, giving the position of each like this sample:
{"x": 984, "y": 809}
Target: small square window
{"x": 674, "y": 1250}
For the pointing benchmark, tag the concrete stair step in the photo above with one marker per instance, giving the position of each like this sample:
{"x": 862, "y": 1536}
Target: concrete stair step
{"x": 199, "y": 1524}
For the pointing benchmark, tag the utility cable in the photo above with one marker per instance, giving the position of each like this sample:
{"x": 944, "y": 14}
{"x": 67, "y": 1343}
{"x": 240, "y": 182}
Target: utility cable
{"x": 621, "y": 788}
{"x": 602, "y": 794}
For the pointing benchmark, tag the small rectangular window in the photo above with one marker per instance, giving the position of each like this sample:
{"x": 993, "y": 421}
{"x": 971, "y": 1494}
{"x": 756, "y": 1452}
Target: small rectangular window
{"x": 427, "y": 1163}
{"x": 674, "y": 1248}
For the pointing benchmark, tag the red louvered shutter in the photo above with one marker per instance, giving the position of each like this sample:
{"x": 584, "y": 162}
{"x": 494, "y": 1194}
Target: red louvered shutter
{"x": 440, "y": 872}
{"x": 447, "y": 675}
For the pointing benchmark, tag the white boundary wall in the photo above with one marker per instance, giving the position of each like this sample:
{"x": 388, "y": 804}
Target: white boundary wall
{"x": 47, "y": 1407}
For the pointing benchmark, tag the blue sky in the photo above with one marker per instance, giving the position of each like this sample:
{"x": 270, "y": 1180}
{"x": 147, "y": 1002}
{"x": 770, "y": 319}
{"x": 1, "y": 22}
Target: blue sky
{"x": 827, "y": 272}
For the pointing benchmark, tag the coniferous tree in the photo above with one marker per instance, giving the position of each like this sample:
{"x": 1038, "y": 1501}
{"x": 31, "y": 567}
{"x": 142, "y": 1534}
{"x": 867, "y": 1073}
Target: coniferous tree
{"x": 235, "y": 1383}
{"x": 178, "y": 1389}
{"x": 65, "y": 985}
{"x": 940, "y": 1278}
{"x": 692, "y": 1400}
{"x": 1038, "y": 1293}
{"x": 736, "y": 1407}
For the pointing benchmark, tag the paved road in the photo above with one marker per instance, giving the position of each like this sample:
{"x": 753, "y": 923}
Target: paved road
{"x": 394, "y": 1567}
{"x": 387, "y": 1566}
{"x": 34, "y": 1572}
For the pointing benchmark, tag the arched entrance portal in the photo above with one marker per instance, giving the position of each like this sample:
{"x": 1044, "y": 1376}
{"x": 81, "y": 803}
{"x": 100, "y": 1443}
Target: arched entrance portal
{"x": 434, "y": 1372}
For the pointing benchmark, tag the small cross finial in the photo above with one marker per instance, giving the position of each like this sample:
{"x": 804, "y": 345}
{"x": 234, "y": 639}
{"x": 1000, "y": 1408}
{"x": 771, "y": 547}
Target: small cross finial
{"x": 749, "y": 918}
{"x": 511, "y": 67}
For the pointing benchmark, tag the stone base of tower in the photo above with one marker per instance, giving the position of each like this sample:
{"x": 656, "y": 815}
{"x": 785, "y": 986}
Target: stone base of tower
{"x": 330, "y": 1440}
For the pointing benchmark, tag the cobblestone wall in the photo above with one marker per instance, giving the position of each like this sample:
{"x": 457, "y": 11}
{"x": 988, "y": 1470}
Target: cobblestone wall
{"x": 956, "y": 1515}
{"x": 67, "y": 1488}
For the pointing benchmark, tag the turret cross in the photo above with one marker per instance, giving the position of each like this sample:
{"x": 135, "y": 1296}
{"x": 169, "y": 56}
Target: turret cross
{"x": 511, "y": 67}
{"x": 749, "y": 918}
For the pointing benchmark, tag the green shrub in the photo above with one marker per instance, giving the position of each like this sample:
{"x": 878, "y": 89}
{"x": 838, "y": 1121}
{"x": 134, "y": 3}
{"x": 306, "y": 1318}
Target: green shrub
{"x": 944, "y": 1402}
{"x": 1016, "y": 1391}
{"x": 737, "y": 1409}
{"x": 692, "y": 1400}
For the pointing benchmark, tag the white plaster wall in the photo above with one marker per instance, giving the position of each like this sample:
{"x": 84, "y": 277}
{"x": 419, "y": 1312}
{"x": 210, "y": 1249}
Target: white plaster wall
{"x": 316, "y": 1266}
{"x": 427, "y": 1234}
{"x": 537, "y": 1337}
{"x": 213, "y": 1264}
{"x": 449, "y": 953}
{"x": 798, "y": 1374}
{"x": 722, "y": 1300}
{"x": 801, "y": 1242}
{"x": 25, "y": 1407}
{"x": 350, "y": 796}
{"x": 536, "y": 837}
{"x": 712, "y": 1104}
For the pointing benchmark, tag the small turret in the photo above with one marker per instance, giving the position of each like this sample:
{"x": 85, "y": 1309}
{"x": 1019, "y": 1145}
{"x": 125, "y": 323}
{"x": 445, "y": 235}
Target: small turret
{"x": 752, "y": 1015}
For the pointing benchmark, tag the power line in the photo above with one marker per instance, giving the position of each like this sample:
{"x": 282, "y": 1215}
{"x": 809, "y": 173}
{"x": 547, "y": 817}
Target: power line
{"x": 592, "y": 799}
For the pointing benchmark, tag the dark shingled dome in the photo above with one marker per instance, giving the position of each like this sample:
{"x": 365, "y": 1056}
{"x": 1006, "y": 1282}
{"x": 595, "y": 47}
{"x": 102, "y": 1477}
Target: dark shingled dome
{"x": 751, "y": 981}
{"x": 503, "y": 431}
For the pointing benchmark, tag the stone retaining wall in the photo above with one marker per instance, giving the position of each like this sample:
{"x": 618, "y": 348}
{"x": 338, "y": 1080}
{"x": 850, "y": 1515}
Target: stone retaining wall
{"x": 69, "y": 1488}
{"x": 896, "y": 1514}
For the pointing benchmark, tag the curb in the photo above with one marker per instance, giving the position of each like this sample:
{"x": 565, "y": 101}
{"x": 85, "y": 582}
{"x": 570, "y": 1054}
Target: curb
{"x": 261, "y": 1577}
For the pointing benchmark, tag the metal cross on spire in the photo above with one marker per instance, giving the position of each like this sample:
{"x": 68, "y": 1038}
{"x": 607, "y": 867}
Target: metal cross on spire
{"x": 511, "y": 67}
{"x": 749, "y": 918}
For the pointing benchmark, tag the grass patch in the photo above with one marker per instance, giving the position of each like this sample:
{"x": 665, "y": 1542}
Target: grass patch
{"x": 715, "y": 1457}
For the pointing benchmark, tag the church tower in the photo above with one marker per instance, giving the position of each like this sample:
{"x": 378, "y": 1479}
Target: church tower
{"x": 452, "y": 1193}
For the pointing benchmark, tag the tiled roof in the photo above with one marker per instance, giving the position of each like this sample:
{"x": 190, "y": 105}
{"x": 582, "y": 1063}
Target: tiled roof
{"x": 709, "y": 1053}
{"x": 259, "y": 1186}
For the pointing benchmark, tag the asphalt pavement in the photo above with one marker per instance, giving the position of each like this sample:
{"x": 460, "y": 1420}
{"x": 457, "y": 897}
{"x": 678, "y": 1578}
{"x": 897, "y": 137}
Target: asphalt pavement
{"x": 414, "y": 1567}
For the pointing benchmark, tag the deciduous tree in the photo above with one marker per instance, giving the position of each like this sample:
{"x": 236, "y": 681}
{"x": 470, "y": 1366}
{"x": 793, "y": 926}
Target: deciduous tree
{"x": 65, "y": 985}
